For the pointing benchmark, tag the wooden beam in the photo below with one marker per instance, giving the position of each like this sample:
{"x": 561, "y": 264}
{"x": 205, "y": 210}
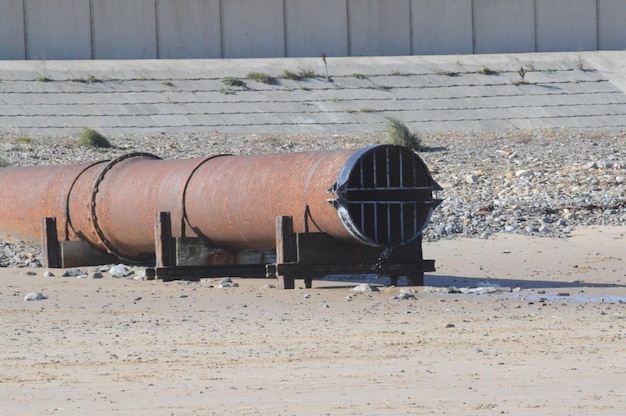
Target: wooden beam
{"x": 319, "y": 248}
{"x": 320, "y": 270}
{"x": 199, "y": 272}
{"x": 163, "y": 242}
{"x": 286, "y": 251}
{"x": 50, "y": 243}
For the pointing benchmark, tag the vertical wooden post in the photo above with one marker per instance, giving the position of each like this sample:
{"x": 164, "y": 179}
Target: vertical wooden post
{"x": 163, "y": 242}
{"x": 285, "y": 249}
{"x": 50, "y": 243}
{"x": 415, "y": 279}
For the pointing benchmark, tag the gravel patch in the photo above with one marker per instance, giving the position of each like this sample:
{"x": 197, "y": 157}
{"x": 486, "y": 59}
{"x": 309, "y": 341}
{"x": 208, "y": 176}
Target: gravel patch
{"x": 541, "y": 183}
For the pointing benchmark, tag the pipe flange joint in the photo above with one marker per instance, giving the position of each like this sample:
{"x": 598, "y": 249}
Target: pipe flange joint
{"x": 94, "y": 191}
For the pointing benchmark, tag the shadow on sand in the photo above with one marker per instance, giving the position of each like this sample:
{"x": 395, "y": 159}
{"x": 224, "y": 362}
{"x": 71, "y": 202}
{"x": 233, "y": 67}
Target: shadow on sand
{"x": 464, "y": 282}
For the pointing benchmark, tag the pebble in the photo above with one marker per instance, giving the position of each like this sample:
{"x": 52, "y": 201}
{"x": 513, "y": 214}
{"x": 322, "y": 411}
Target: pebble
{"x": 471, "y": 179}
{"x": 141, "y": 276}
{"x": 34, "y": 296}
{"x": 403, "y": 296}
{"x": 522, "y": 173}
{"x": 74, "y": 273}
{"x": 120, "y": 270}
{"x": 227, "y": 282}
{"x": 365, "y": 287}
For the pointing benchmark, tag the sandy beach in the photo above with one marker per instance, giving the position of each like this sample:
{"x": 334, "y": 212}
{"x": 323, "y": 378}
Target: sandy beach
{"x": 525, "y": 315}
{"x": 550, "y": 340}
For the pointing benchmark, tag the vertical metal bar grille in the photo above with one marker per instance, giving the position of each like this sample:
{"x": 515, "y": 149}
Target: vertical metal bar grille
{"x": 387, "y": 195}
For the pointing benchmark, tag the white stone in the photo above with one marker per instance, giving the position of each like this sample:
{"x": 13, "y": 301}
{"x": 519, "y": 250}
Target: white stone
{"x": 34, "y": 296}
{"x": 120, "y": 270}
{"x": 471, "y": 178}
{"x": 522, "y": 173}
{"x": 365, "y": 287}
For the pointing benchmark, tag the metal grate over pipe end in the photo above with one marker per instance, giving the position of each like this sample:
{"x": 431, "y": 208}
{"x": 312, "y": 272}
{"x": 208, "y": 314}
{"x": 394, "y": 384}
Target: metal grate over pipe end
{"x": 384, "y": 196}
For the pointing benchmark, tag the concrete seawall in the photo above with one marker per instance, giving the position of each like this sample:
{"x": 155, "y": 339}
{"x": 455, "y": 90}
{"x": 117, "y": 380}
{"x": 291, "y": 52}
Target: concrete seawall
{"x": 208, "y": 29}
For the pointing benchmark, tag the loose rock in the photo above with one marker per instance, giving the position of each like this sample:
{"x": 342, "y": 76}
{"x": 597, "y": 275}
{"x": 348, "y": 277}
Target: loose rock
{"x": 120, "y": 271}
{"x": 227, "y": 282}
{"x": 34, "y": 296}
{"x": 365, "y": 287}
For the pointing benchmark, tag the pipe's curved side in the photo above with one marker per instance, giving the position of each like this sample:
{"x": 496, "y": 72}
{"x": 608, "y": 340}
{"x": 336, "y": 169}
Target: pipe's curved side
{"x": 234, "y": 201}
{"x": 31, "y": 193}
{"x": 114, "y": 207}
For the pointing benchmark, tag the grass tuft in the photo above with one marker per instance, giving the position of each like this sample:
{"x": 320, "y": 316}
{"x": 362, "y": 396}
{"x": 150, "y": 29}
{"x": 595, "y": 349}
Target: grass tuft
{"x": 522, "y": 74}
{"x": 24, "y": 139}
{"x": 297, "y": 76}
{"x": 91, "y": 138}
{"x": 89, "y": 80}
{"x": 233, "y": 82}
{"x": 399, "y": 134}
{"x": 448, "y": 73}
{"x": 488, "y": 71}
{"x": 4, "y": 163}
{"x": 308, "y": 73}
{"x": 294, "y": 76}
{"x": 261, "y": 77}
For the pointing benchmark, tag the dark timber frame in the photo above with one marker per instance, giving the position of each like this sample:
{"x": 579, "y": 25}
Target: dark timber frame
{"x": 308, "y": 256}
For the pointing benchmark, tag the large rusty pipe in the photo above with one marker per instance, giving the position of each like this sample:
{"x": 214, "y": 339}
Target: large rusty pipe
{"x": 381, "y": 196}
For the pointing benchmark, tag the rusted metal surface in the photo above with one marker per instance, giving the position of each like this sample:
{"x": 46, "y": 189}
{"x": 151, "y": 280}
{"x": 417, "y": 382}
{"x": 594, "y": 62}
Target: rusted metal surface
{"x": 29, "y": 194}
{"x": 379, "y": 196}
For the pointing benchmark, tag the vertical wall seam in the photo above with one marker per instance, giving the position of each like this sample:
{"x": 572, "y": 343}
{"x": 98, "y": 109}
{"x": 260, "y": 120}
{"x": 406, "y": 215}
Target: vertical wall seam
{"x": 156, "y": 28}
{"x": 221, "y": 29}
{"x": 535, "y": 24}
{"x": 598, "y": 32}
{"x": 26, "y": 52}
{"x": 348, "y": 36}
{"x": 285, "y": 38}
{"x": 92, "y": 40}
{"x": 473, "y": 28}
{"x": 411, "y": 46}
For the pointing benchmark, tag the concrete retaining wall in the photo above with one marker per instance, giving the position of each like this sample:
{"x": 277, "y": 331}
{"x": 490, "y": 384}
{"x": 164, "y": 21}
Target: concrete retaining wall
{"x": 174, "y": 29}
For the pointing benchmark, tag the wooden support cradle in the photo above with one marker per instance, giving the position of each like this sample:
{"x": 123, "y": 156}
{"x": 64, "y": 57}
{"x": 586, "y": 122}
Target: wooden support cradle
{"x": 307, "y": 255}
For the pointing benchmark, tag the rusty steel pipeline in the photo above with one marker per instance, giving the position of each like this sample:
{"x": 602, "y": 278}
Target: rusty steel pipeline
{"x": 381, "y": 195}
